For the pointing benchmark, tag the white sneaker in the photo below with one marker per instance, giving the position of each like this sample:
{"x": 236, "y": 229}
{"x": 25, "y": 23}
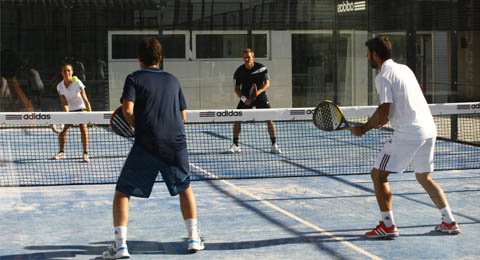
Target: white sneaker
{"x": 58, "y": 156}
{"x": 195, "y": 245}
{"x": 234, "y": 149}
{"x": 275, "y": 149}
{"x": 115, "y": 253}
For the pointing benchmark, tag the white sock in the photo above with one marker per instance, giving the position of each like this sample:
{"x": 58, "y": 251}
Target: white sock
{"x": 447, "y": 215}
{"x": 120, "y": 236}
{"x": 191, "y": 224}
{"x": 387, "y": 218}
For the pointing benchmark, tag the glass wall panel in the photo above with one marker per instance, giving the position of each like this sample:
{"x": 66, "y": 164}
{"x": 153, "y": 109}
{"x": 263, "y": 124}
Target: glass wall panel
{"x": 424, "y": 68}
{"x": 468, "y": 66}
{"x": 312, "y": 68}
{"x": 37, "y": 37}
{"x": 318, "y": 47}
{"x": 352, "y": 68}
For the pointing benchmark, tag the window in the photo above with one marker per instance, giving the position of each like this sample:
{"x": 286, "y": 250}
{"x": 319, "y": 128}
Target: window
{"x": 124, "y": 45}
{"x": 229, "y": 45}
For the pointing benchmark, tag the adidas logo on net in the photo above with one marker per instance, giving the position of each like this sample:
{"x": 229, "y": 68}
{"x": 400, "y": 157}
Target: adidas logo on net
{"x": 467, "y": 106}
{"x": 36, "y": 116}
{"x": 228, "y": 113}
{"x": 475, "y": 106}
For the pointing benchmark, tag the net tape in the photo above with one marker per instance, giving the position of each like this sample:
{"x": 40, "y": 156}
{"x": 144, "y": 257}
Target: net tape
{"x": 28, "y": 144}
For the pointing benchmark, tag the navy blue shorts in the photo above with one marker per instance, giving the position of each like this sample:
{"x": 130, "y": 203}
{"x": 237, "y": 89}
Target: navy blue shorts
{"x": 141, "y": 169}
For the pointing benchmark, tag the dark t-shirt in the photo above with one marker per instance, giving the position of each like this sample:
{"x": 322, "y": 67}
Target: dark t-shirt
{"x": 245, "y": 78}
{"x": 158, "y": 102}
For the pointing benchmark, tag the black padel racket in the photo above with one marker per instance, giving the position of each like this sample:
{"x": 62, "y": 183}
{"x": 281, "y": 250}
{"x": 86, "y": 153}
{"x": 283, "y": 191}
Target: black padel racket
{"x": 328, "y": 117}
{"x": 119, "y": 125}
{"x": 253, "y": 92}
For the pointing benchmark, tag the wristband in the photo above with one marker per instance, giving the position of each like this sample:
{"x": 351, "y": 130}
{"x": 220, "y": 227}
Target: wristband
{"x": 244, "y": 99}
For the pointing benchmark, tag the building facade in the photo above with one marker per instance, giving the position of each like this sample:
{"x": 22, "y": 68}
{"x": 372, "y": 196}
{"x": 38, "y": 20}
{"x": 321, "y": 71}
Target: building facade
{"x": 313, "y": 49}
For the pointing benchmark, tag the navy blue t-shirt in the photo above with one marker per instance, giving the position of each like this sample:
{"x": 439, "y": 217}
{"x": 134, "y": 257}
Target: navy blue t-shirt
{"x": 158, "y": 102}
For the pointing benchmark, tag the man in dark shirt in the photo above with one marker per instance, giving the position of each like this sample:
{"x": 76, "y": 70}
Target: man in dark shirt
{"x": 246, "y": 77}
{"x": 153, "y": 101}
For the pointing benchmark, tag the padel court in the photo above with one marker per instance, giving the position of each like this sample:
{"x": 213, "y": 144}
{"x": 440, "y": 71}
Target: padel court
{"x": 320, "y": 211}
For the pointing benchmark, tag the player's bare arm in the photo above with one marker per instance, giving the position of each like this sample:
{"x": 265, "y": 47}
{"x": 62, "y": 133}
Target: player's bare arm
{"x": 85, "y": 100}
{"x": 377, "y": 120}
{"x": 64, "y": 102}
{"x": 127, "y": 109}
{"x": 184, "y": 116}
{"x": 266, "y": 85}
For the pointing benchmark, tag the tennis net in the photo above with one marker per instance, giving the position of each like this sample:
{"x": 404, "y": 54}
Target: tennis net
{"x": 29, "y": 143}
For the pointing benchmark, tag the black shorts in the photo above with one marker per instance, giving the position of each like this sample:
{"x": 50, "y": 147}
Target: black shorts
{"x": 258, "y": 103}
{"x": 141, "y": 169}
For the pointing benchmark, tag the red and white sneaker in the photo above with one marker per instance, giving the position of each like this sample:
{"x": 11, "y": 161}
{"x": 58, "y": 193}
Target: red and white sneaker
{"x": 381, "y": 231}
{"x": 452, "y": 228}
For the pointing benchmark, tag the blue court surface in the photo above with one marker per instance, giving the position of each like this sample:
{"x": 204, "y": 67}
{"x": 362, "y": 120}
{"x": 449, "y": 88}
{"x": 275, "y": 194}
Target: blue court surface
{"x": 26, "y": 157}
{"x": 273, "y": 218}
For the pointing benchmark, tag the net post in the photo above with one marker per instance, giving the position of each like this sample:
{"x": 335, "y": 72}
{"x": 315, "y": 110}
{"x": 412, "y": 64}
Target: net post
{"x": 454, "y": 127}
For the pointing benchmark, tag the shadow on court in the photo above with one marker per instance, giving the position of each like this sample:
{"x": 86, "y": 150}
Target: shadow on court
{"x": 179, "y": 248}
{"x": 161, "y": 248}
{"x": 164, "y": 248}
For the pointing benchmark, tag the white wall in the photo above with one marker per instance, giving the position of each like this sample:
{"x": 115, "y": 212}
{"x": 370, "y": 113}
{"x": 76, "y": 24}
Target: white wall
{"x": 208, "y": 84}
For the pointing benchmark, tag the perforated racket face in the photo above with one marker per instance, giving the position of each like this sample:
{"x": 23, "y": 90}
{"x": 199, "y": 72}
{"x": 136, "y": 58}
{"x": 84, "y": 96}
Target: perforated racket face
{"x": 327, "y": 116}
{"x": 57, "y": 128}
{"x": 119, "y": 125}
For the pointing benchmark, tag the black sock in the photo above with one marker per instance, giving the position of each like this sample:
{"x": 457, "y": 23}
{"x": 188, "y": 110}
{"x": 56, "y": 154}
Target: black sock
{"x": 235, "y": 141}
{"x": 273, "y": 139}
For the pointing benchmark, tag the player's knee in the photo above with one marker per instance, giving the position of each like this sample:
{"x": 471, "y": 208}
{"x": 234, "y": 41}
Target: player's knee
{"x": 120, "y": 195}
{"x": 423, "y": 178}
{"x": 83, "y": 127}
{"x": 187, "y": 192}
{"x": 65, "y": 129}
{"x": 237, "y": 125}
{"x": 379, "y": 176}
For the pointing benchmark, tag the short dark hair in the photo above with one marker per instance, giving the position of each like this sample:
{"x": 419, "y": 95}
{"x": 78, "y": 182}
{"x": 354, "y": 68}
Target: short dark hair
{"x": 149, "y": 51}
{"x": 248, "y": 50}
{"x": 381, "y": 45}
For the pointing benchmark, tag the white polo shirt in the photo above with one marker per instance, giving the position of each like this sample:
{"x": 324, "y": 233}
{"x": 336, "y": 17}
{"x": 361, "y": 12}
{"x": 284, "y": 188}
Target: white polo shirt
{"x": 72, "y": 94}
{"x": 409, "y": 113}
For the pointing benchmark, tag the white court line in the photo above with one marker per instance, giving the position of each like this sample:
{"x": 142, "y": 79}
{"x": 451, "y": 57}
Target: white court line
{"x": 288, "y": 214}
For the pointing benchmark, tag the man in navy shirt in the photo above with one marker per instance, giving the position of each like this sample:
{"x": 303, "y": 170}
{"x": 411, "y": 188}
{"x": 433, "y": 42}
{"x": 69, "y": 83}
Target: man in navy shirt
{"x": 153, "y": 102}
{"x": 246, "y": 77}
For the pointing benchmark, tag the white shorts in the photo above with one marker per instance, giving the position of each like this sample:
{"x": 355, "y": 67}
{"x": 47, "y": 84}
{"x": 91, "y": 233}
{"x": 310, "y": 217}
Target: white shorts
{"x": 397, "y": 154}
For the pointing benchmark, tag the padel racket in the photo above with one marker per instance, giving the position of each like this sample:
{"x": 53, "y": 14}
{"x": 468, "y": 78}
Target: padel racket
{"x": 119, "y": 125}
{"x": 57, "y": 128}
{"x": 253, "y": 92}
{"x": 328, "y": 117}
